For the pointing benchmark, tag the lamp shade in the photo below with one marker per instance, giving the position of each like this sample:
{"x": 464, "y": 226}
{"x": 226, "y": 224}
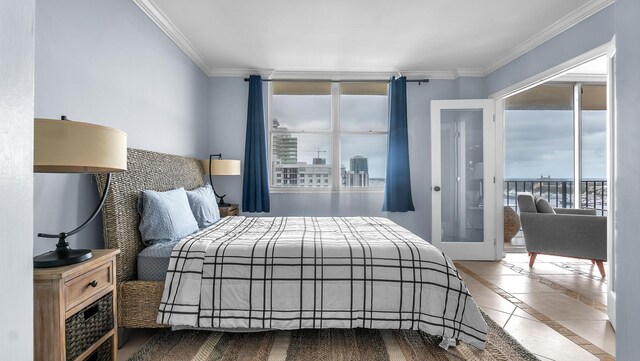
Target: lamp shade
{"x": 63, "y": 146}
{"x": 221, "y": 167}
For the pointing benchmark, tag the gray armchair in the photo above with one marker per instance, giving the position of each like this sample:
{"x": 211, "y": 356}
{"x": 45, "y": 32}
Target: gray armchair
{"x": 576, "y": 233}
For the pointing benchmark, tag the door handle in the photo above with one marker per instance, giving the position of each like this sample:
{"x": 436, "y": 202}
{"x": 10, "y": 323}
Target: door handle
{"x": 436, "y": 188}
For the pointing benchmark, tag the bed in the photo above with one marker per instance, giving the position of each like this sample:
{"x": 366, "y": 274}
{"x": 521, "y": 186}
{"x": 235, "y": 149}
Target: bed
{"x": 257, "y": 273}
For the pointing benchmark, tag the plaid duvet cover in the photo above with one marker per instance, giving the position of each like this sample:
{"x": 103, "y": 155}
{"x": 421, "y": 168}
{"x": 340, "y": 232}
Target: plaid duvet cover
{"x": 317, "y": 272}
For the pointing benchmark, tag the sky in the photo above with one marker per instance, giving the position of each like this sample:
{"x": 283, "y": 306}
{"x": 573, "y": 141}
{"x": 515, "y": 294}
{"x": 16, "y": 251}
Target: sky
{"x": 356, "y": 113}
{"x": 540, "y": 142}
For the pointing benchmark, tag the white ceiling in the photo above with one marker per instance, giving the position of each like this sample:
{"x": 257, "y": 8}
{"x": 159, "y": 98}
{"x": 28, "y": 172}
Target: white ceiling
{"x": 434, "y": 38}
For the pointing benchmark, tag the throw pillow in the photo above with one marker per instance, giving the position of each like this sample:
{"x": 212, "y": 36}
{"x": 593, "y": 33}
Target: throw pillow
{"x": 203, "y": 205}
{"x": 543, "y": 206}
{"x": 165, "y": 216}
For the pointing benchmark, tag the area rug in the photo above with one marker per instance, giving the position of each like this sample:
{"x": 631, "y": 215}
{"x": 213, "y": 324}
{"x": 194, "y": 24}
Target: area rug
{"x": 321, "y": 345}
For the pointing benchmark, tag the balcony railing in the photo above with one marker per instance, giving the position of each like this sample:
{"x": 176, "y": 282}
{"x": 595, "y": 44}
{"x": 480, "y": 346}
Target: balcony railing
{"x": 559, "y": 192}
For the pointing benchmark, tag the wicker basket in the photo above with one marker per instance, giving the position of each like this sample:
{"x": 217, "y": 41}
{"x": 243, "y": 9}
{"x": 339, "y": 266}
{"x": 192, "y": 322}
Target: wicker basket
{"x": 103, "y": 353}
{"x": 511, "y": 223}
{"x": 87, "y": 326}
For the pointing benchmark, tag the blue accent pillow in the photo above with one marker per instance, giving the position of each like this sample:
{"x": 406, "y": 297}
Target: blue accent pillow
{"x": 203, "y": 205}
{"x": 165, "y": 216}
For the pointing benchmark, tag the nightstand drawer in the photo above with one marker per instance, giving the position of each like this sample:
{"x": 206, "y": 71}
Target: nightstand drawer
{"x": 83, "y": 287}
{"x": 88, "y": 326}
{"x": 230, "y": 210}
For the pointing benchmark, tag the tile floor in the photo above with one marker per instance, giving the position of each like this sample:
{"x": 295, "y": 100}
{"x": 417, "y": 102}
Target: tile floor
{"x": 558, "y": 314}
{"x": 564, "y": 319}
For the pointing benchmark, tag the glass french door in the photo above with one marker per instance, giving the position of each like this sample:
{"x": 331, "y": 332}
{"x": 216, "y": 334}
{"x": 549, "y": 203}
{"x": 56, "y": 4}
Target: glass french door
{"x": 463, "y": 178}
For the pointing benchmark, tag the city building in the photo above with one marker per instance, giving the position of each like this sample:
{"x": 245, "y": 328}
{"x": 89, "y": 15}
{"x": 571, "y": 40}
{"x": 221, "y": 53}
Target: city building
{"x": 358, "y": 173}
{"x": 359, "y": 163}
{"x": 285, "y": 147}
{"x": 355, "y": 179}
{"x": 302, "y": 175}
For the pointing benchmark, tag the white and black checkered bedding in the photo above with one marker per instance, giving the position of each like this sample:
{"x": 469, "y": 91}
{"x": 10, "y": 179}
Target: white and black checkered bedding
{"x": 314, "y": 272}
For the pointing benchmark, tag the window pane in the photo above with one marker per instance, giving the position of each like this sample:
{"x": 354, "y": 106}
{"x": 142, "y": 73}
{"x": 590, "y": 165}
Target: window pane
{"x": 543, "y": 97}
{"x": 363, "y": 106}
{"x": 462, "y": 173}
{"x": 301, "y": 160}
{"x": 594, "y": 148}
{"x": 539, "y": 144}
{"x": 301, "y": 106}
{"x": 363, "y": 160}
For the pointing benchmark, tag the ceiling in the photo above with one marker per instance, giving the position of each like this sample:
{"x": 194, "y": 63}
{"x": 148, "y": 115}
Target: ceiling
{"x": 435, "y": 38}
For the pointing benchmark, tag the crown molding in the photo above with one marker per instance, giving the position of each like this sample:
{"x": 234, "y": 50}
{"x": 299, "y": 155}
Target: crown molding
{"x": 173, "y": 33}
{"x": 582, "y": 77}
{"x": 469, "y": 72}
{"x": 332, "y": 75}
{"x": 429, "y": 74}
{"x": 356, "y": 74}
{"x": 238, "y": 73}
{"x": 346, "y": 75}
{"x": 551, "y": 31}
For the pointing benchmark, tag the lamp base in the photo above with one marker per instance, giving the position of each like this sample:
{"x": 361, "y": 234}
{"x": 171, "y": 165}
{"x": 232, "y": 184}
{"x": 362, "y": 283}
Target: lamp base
{"x": 222, "y": 203}
{"x": 61, "y": 257}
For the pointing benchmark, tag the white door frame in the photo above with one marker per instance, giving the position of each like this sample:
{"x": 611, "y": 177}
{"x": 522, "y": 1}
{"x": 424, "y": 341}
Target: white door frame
{"x": 611, "y": 171}
{"x": 608, "y": 50}
{"x": 487, "y": 249}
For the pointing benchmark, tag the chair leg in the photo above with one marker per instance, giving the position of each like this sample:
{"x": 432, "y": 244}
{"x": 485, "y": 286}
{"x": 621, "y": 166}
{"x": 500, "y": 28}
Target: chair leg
{"x": 532, "y": 258}
{"x": 593, "y": 261}
{"x": 601, "y": 268}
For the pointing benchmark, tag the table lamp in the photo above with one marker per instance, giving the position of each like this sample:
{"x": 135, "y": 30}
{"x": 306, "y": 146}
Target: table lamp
{"x": 64, "y": 146}
{"x": 220, "y": 166}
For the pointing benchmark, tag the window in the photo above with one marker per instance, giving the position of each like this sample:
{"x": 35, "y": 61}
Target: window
{"x": 334, "y": 134}
{"x": 543, "y": 125}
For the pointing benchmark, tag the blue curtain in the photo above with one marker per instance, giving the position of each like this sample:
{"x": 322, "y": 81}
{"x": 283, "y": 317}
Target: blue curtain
{"x": 397, "y": 189}
{"x": 255, "y": 182}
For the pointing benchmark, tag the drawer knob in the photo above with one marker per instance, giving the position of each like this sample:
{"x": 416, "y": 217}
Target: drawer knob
{"x": 93, "y": 283}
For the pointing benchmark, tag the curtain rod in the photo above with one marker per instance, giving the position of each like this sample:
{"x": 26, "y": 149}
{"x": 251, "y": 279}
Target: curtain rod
{"x": 419, "y": 81}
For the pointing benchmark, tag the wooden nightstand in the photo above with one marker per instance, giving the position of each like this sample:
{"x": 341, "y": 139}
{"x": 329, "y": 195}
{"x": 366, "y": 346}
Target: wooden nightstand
{"x": 75, "y": 310}
{"x": 230, "y": 210}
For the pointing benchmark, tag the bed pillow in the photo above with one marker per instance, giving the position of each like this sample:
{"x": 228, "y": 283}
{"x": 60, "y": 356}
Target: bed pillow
{"x": 165, "y": 216}
{"x": 543, "y": 206}
{"x": 203, "y": 205}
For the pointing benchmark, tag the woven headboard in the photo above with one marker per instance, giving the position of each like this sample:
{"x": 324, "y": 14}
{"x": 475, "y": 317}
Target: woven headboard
{"x": 145, "y": 170}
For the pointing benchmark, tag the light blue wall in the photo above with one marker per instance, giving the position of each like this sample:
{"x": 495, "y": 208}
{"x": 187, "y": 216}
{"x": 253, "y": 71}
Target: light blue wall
{"x": 590, "y": 33}
{"x": 628, "y": 172}
{"x": 469, "y": 88}
{"x": 228, "y": 105}
{"x": 106, "y": 62}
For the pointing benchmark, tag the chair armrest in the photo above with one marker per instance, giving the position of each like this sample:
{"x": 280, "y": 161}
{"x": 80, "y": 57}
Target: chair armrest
{"x": 583, "y": 212}
{"x": 569, "y": 235}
